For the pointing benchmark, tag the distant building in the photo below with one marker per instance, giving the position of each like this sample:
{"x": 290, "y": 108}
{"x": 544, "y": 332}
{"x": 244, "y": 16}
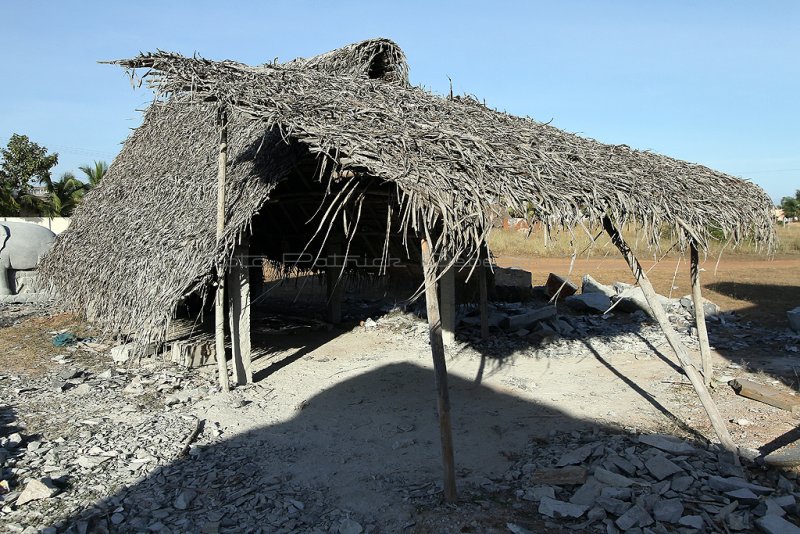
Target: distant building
{"x": 40, "y": 191}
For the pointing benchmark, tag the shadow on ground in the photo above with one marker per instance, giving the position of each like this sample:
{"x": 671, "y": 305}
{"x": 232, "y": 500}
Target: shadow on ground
{"x": 368, "y": 445}
{"x": 764, "y": 298}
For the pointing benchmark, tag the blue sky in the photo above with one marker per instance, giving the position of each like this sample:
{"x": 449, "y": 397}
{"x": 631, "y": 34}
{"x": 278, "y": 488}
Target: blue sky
{"x": 713, "y": 82}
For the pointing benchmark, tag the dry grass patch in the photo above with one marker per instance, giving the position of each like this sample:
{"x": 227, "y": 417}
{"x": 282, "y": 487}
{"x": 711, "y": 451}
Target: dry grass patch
{"x": 564, "y": 244}
{"x": 27, "y": 346}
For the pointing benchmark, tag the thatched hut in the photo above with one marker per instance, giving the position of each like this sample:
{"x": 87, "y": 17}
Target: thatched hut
{"x": 340, "y": 149}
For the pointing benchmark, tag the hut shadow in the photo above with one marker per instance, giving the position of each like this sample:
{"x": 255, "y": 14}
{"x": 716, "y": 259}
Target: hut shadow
{"x": 368, "y": 446}
{"x": 7, "y": 419}
{"x": 767, "y": 301}
{"x": 642, "y": 393}
{"x": 289, "y": 320}
{"x": 8, "y": 426}
{"x": 764, "y": 352}
{"x": 273, "y": 351}
{"x": 503, "y": 348}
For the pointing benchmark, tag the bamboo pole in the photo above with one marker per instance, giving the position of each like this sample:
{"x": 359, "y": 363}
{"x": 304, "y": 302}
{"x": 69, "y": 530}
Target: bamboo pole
{"x": 447, "y": 288}
{"x": 219, "y": 305}
{"x": 700, "y": 313}
{"x": 239, "y": 316}
{"x": 334, "y": 279}
{"x": 440, "y": 372}
{"x": 484, "y": 293}
{"x": 717, "y": 422}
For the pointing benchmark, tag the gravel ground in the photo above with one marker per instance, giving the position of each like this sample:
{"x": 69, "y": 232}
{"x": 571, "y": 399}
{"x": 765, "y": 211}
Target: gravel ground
{"x": 91, "y": 445}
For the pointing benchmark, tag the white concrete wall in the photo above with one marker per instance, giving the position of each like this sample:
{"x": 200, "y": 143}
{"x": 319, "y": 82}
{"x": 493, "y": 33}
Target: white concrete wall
{"x": 54, "y": 224}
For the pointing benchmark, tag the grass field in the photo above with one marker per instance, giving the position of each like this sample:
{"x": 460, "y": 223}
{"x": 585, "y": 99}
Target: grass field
{"x": 563, "y": 244}
{"x": 760, "y": 287}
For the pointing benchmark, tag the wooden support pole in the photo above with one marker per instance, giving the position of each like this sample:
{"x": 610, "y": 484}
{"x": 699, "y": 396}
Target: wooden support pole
{"x": 219, "y": 303}
{"x": 440, "y": 372}
{"x": 484, "y": 293}
{"x": 334, "y": 279}
{"x": 700, "y": 313}
{"x": 717, "y": 422}
{"x": 447, "y": 287}
{"x": 239, "y": 314}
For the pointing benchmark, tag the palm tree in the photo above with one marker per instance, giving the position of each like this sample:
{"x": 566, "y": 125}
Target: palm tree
{"x": 30, "y": 204}
{"x": 65, "y": 194}
{"x": 95, "y": 174}
{"x": 9, "y": 207}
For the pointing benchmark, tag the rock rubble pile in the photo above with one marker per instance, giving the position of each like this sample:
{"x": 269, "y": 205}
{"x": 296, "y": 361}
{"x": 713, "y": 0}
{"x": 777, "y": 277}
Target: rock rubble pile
{"x": 651, "y": 483}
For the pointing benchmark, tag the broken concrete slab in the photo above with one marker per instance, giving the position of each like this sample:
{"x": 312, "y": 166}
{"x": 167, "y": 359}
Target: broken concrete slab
{"x": 668, "y": 510}
{"x": 613, "y": 506}
{"x": 194, "y": 353}
{"x": 537, "y": 493}
{"x": 667, "y": 443}
{"x": 631, "y": 299}
{"x": 560, "y": 476}
{"x": 524, "y": 320}
{"x": 660, "y": 467}
{"x": 620, "y": 463}
{"x": 123, "y": 353}
{"x": 733, "y": 483}
{"x": 557, "y": 285}
{"x": 773, "y": 524}
{"x": 37, "y": 489}
{"x": 771, "y": 507}
{"x": 784, "y": 501}
{"x": 692, "y": 521}
{"x": 794, "y": 319}
{"x": 512, "y": 277}
{"x": 558, "y": 509}
{"x": 350, "y": 526}
{"x": 709, "y": 308}
{"x": 636, "y": 516}
{"x": 743, "y": 495}
{"x": 561, "y": 326}
{"x": 184, "y": 499}
{"x": 575, "y": 456}
{"x": 612, "y": 479}
{"x": 589, "y": 302}
{"x": 740, "y": 521}
{"x": 494, "y": 319}
{"x": 590, "y": 285}
{"x": 681, "y": 483}
{"x": 588, "y": 493}
{"x": 610, "y": 492}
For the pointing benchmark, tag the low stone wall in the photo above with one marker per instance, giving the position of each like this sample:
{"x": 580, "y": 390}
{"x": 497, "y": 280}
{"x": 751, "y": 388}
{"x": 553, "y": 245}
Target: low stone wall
{"x": 54, "y": 224}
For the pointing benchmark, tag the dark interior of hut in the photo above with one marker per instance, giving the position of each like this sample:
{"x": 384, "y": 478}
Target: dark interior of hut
{"x": 322, "y": 232}
{"x": 321, "y": 259}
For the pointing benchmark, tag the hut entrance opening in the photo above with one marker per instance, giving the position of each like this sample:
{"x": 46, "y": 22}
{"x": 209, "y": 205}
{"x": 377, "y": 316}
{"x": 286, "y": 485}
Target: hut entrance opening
{"x": 323, "y": 234}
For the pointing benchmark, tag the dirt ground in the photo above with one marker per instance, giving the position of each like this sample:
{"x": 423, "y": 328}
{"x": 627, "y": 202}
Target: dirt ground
{"x": 366, "y": 395}
{"x": 353, "y": 409}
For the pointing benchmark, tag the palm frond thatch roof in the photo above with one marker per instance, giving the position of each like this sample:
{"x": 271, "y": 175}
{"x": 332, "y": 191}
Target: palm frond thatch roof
{"x": 451, "y": 161}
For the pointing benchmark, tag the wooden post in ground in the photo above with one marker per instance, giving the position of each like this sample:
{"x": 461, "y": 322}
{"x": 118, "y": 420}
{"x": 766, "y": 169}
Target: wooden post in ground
{"x": 447, "y": 287}
{"x": 440, "y": 372}
{"x": 239, "y": 314}
{"x": 700, "y": 313}
{"x": 484, "y": 293}
{"x": 717, "y": 422}
{"x": 334, "y": 279}
{"x": 219, "y": 302}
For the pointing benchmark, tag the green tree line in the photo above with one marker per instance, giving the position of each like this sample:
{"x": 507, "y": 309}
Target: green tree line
{"x": 25, "y": 165}
{"x": 791, "y": 205}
